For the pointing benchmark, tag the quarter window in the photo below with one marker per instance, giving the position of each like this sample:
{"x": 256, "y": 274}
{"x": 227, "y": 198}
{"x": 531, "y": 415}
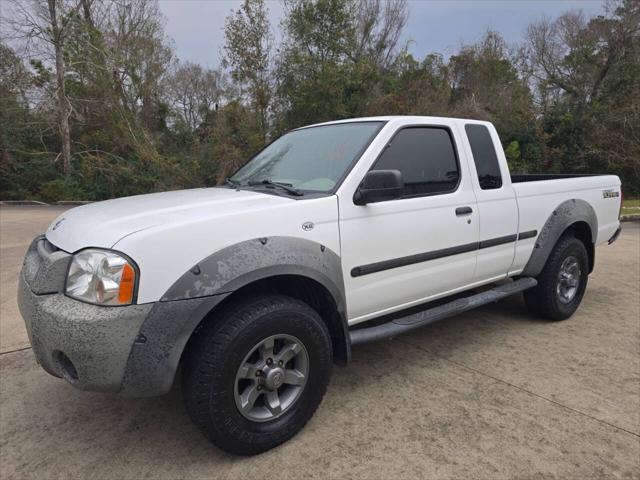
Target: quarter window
{"x": 484, "y": 156}
{"x": 426, "y": 158}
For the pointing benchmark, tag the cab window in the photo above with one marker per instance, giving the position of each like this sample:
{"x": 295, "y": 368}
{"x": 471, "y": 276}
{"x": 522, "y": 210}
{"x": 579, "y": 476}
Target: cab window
{"x": 426, "y": 158}
{"x": 484, "y": 156}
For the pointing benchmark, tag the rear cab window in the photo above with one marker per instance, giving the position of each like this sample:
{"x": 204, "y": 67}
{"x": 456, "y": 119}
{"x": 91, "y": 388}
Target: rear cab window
{"x": 427, "y": 159}
{"x": 484, "y": 156}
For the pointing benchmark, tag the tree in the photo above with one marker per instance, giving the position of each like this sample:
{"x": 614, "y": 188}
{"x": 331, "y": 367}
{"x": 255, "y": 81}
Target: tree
{"x": 15, "y": 81}
{"x": 379, "y": 26}
{"x": 121, "y": 59}
{"x": 236, "y": 136}
{"x": 138, "y": 120}
{"x": 313, "y": 68}
{"x": 15, "y": 120}
{"x": 64, "y": 110}
{"x": 44, "y": 25}
{"x": 486, "y": 85}
{"x": 412, "y": 87}
{"x": 247, "y": 53}
{"x": 193, "y": 92}
{"x": 587, "y": 80}
{"x": 334, "y": 57}
{"x": 139, "y": 57}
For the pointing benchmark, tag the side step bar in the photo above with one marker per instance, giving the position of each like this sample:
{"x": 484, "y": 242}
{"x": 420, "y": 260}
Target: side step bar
{"x": 431, "y": 315}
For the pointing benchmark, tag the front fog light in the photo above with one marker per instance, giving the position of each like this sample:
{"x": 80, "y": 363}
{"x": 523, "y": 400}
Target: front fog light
{"x": 101, "y": 277}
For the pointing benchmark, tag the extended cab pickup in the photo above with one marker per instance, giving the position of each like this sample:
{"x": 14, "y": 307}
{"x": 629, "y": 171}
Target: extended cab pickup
{"x": 254, "y": 288}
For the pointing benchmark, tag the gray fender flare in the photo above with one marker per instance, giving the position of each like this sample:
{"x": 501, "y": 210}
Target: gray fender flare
{"x": 563, "y": 216}
{"x": 156, "y": 353}
{"x": 238, "y": 265}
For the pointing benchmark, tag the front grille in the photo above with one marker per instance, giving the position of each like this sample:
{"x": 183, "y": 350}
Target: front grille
{"x": 45, "y": 267}
{"x": 48, "y": 246}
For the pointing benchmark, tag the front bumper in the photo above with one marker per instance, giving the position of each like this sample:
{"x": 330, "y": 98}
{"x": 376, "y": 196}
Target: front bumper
{"x": 87, "y": 345}
{"x": 134, "y": 350}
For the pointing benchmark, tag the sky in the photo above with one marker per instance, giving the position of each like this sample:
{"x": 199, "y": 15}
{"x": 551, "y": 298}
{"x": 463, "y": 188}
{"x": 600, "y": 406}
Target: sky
{"x": 196, "y": 26}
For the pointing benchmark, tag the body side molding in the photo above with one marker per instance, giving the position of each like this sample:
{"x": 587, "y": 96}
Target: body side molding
{"x": 435, "y": 254}
{"x": 527, "y": 234}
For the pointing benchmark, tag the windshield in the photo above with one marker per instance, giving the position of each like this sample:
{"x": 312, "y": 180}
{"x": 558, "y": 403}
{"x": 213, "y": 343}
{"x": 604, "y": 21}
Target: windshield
{"x": 313, "y": 158}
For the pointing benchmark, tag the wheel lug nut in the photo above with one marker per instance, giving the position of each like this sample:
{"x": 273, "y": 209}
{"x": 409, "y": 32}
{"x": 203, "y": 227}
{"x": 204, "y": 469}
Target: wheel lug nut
{"x": 269, "y": 361}
{"x": 258, "y": 373}
{"x": 259, "y": 387}
{"x": 280, "y": 363}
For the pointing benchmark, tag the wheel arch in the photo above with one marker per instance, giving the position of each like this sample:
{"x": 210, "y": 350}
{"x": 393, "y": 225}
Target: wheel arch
{"x": 302, "y": 287}
{"x": 573, "y": 216}
{"x": 582, "y": 231}
{"x": 293, "y": 266}
{"x": 297, "y": 267}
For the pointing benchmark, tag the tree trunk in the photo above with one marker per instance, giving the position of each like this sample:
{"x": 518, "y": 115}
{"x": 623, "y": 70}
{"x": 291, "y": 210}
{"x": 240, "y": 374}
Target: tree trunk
{"x": 64, "y": 109}
{"x": 86, "y": 7}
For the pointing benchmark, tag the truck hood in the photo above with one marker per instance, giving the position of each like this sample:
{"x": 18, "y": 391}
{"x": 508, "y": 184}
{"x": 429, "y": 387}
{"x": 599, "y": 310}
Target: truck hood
{"x": 103, "y": 224}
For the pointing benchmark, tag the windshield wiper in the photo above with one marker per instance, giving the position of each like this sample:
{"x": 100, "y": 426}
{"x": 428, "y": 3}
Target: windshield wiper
{"x": 284, "y": 186}
{"x": 231, "y": 183}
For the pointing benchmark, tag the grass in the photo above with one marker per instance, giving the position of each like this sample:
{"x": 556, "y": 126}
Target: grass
{"x": 631, "y": 206}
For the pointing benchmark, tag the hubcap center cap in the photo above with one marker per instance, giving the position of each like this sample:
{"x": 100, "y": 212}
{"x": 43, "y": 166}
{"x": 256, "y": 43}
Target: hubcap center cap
{"x": 274, "y": 378}
{"x": 271, "y": 377}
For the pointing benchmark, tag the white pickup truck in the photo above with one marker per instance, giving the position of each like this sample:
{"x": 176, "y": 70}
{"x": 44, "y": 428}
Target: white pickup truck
{"x": 333, "y": 235}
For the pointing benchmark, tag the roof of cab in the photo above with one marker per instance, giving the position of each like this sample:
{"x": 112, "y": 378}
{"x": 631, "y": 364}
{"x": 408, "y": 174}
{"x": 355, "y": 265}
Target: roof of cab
{"x": 387, "y": 118}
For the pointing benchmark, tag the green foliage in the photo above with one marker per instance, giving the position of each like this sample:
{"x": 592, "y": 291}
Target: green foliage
{"x": 247, "y": 53}
{"x": 512, "y": 152}
{"x": 62, "y": 189}
{"x": 314, "y": 68}
{"x": 567, "y": 100}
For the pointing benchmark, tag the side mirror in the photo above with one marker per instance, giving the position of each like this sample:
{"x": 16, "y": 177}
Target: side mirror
{"x": 378, "y": 186}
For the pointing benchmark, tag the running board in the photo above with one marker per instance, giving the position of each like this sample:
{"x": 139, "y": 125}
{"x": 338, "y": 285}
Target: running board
{"x": 431, "y": 315}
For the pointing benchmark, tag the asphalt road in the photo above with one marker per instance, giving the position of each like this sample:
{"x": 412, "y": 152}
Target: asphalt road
{"x": 494, "y": 393}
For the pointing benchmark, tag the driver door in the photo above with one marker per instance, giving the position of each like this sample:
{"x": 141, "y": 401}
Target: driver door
{"x": 403, "y": 252}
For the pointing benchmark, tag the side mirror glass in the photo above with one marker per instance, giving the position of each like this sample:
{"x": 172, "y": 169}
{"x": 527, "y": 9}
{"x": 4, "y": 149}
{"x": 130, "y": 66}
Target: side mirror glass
{"x": 378, "y": 186}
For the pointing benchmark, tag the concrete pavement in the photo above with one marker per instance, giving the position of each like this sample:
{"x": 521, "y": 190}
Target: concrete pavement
{"x": 18, "y": 226}
{"x": 494, "y": 393}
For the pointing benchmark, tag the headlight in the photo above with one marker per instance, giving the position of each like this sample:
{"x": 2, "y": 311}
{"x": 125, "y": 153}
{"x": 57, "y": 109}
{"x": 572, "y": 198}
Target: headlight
{"x": 101, "y": 277}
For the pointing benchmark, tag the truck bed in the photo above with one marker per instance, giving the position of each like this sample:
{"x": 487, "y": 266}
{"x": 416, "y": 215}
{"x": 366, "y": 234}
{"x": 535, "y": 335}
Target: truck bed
{"x": 539, "y": 194}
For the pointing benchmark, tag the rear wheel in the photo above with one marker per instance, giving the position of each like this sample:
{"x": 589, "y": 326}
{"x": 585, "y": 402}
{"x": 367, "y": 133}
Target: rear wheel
{"x": 562, "y": 282}
{"x": 254, "y": 377}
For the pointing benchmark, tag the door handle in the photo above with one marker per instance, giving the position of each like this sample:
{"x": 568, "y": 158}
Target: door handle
{"x": 464, "y": 211}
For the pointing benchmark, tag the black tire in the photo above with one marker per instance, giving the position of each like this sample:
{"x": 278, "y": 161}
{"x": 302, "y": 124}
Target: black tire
{"x": 218, "y": 349}
{"x": 545, "y": 300}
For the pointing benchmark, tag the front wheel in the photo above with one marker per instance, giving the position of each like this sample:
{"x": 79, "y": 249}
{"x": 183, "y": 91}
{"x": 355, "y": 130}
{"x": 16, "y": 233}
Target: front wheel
{"x": 255, "y": 376}
{"x": 562, "y": 282}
